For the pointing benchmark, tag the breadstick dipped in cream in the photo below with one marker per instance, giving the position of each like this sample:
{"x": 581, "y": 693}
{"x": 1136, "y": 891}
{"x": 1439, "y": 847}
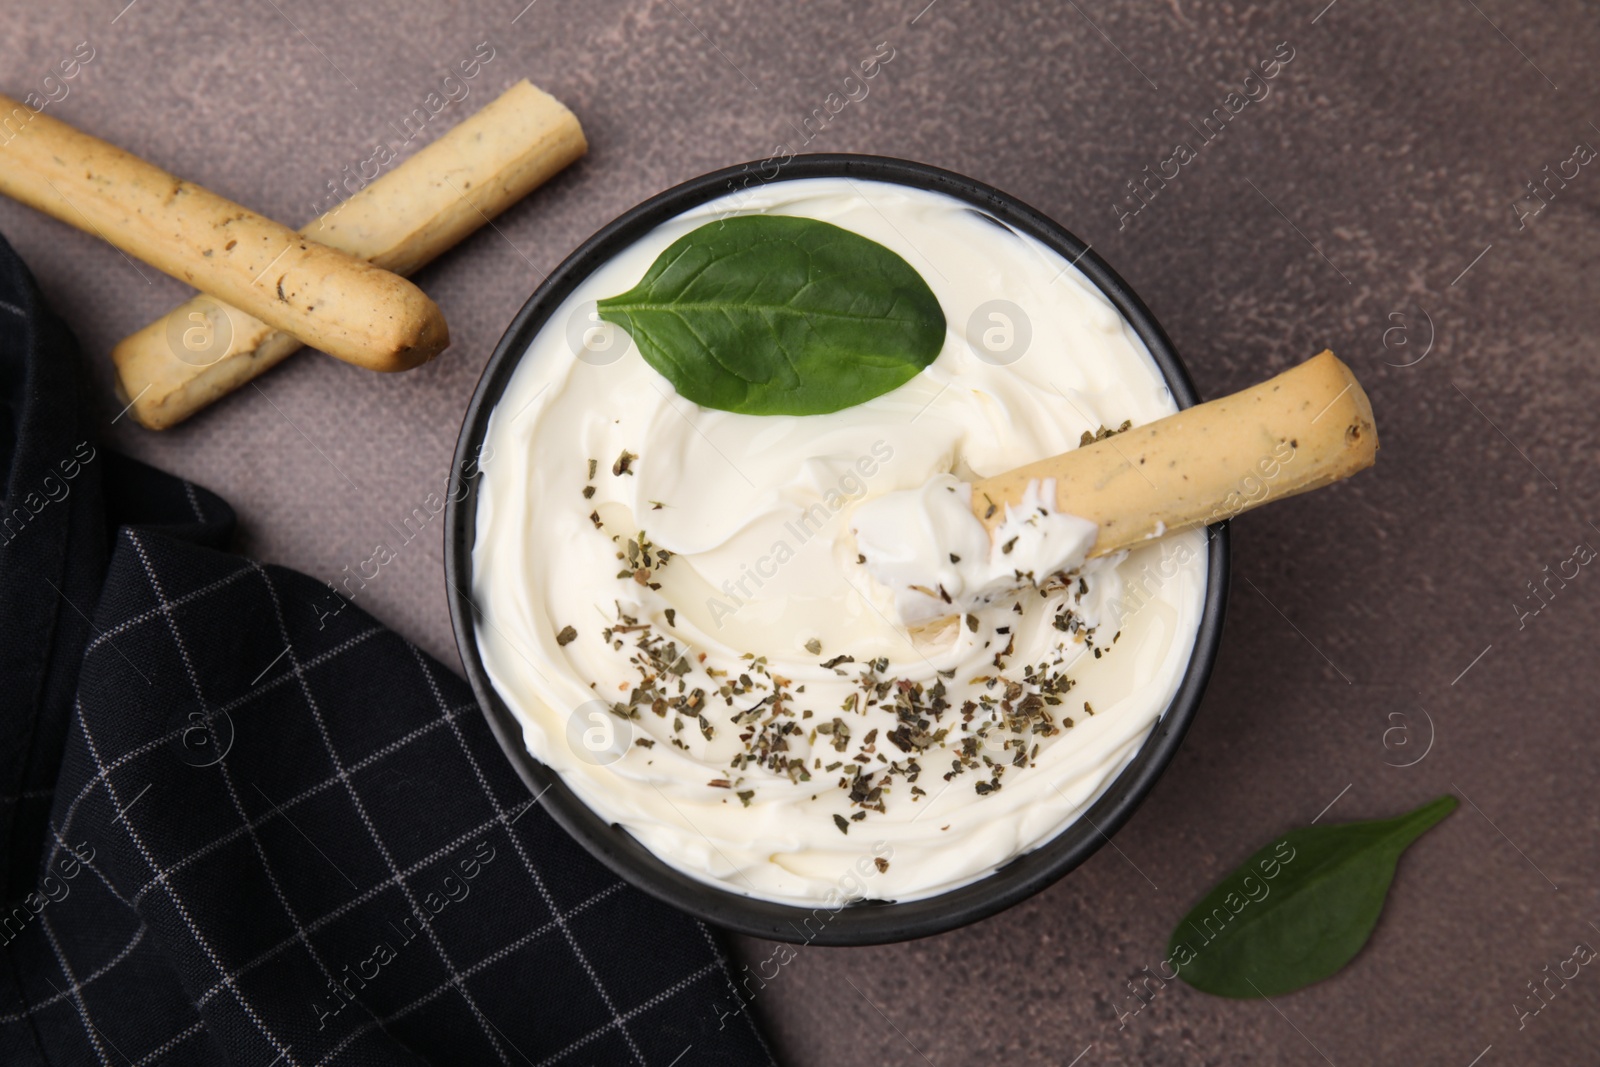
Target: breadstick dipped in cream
{"x": 949, "y": 546}
{"x": 204, "y": 349}
{"x": 348, "y": 308}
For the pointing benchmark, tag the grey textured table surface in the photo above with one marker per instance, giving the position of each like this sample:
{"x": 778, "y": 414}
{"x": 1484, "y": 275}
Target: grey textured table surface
{"x": 1367, "y": 203}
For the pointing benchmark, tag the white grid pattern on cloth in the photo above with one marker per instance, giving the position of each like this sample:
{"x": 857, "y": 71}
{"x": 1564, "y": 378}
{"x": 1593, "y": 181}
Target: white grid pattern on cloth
{"x": 74, "y": 990}
{"x": 249, "y": 826}
{"x": 372, "y": 830}
{"x": 666, "y": 994}
{"x": 727, "y": 976}
{"x": 488, "y": 961}
{"x": 182, "y": 909}
{"x": 177, "y": 602}
{"x": 75, "y": 986}
{"x": 448, "y": 715}
{"x": 177, "y": 732}
{"x": 60, "y": 844}
{"x": 222, "y": 765}
{"x": 349, "y": 905}
{"x": 172, "y": 894}
{"x": 448, "y": 718}
{"x": 533, "y": 872}
{"x": 305, "y": 794}
{"x": 387, "y": 750}
{"x": 196, "y": 1027}
{"x": 102, "y": 970}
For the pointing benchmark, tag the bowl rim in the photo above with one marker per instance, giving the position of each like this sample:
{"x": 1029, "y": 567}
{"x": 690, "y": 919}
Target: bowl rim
{"x": 864, "y": 922}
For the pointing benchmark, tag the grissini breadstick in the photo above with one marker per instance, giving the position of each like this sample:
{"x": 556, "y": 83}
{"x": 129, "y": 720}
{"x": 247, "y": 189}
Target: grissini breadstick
{"x": 1307, "y": 427}
{"x": 346, "y": 307}
{"x": 203, "y": 349}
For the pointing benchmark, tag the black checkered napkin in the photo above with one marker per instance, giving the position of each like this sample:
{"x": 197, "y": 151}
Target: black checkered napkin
{"x": 238, "y": 828}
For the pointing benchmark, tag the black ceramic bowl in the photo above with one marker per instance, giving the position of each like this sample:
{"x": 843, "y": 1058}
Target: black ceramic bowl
{"x": 867, "y": 922}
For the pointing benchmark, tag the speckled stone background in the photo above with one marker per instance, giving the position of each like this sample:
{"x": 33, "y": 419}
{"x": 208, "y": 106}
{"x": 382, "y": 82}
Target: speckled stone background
{"x": 1367, "y": 203}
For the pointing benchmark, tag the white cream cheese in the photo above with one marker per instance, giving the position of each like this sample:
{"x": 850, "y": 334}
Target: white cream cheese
{"x": 760, "y": 590}
{"x": 937, "y": 559}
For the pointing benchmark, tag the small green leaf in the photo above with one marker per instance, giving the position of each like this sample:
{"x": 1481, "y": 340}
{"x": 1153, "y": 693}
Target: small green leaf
{"x": 1299, "y": 909}
{"x": 775, "y": 315}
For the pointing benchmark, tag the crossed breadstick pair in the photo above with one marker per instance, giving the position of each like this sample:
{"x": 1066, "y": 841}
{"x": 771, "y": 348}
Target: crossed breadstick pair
{"x": 266, "y": 290}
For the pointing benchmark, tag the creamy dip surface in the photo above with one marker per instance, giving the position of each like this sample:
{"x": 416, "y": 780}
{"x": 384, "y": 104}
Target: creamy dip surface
{"x": 928, "y": 548}
{"x": 674, "y": 604}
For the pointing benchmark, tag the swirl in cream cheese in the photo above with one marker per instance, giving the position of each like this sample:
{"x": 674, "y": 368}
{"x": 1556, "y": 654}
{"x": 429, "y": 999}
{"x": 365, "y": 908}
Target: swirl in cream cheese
{"x": 673, "y": 604}
{"x": 937, "y": 559}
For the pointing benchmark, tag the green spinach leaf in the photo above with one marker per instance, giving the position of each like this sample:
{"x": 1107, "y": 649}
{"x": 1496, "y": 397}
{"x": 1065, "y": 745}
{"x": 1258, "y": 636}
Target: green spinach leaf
{"x": 1299, "y": 909}
{"x": 776, "y": 315}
